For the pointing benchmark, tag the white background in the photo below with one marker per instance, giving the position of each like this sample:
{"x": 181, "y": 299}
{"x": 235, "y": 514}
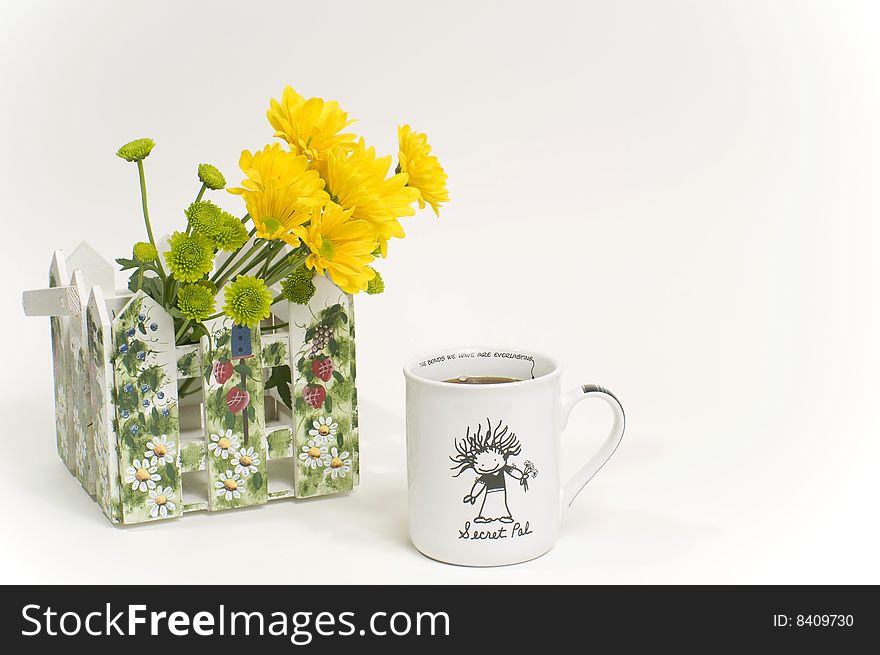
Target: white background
{"x": 677, "y": 199}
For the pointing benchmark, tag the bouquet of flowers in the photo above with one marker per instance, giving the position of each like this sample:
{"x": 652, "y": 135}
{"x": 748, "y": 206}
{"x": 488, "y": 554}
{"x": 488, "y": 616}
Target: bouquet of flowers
{"x": 323, "y": 203}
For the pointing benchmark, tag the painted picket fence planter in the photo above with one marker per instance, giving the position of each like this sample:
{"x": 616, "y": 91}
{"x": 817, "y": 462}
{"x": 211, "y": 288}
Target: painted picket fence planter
{"x": 154, "y": 431}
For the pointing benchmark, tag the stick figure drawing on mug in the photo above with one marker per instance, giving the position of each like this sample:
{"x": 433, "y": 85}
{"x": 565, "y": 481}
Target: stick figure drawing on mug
{"x": 487, "y": 454}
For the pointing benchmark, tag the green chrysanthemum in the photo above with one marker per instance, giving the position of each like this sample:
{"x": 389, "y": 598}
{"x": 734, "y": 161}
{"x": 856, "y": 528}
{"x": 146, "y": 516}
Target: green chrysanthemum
{"x": 145, "y": 252}
{"x": 191, "y": 256}
{"x": 195, "y": 301}
{"x": 248, "y": 300}
{"x": 230, "y": 234}
{"x": 298, "y": 286}
{"x": 208, "y": 285}
{"x": 223, "y": 230}
{"x": 203, "y": 216}
{"x": 377, "y": 284}
{"x": 211, "y": 177}
{"x": 136, "y": 150}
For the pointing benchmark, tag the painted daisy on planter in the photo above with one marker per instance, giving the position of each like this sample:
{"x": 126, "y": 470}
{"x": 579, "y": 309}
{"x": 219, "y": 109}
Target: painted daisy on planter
{"x": 160, "y": 450}
{"x": 323, "y": 429}
{"x": 223, "y": 445}
{"x": 340, "y": 464}
{"x": 229, "y": 485}
{"x": 141, "y": 475}
{"x": 161, "y": 501}
{"x": 314, "y": 454}
{"x": 246, "y": 461}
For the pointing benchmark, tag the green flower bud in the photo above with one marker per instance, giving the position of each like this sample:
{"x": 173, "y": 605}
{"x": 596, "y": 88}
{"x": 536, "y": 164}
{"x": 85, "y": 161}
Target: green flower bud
{"x": 248, "y": 300}
{"x": 191, "y": 256}
{"x": 145, "y": 252}
{"x": 203, "y": 216}
{"x": 376, "y": 285}
{"x": 136, "y": 150}
{"x": 229, "y": 233}
{"x": 195, "y": 301}
{"x": 211, "y": 177}
{"x": 208, "y": 285}
{"x": 298, "y": 286}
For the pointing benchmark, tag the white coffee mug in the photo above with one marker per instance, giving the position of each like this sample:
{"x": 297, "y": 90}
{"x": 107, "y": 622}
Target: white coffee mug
{"x": 483, "y": 458}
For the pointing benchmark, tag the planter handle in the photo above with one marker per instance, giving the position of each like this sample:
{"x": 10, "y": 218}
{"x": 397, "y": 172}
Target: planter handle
{"x": 55, "y": 301}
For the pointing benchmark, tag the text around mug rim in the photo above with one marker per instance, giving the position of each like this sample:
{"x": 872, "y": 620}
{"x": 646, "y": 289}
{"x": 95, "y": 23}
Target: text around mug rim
{"x": 410, "y": 368}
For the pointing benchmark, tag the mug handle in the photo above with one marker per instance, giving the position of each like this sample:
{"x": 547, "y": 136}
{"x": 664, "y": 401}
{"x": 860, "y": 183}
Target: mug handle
{"x": 573, "y": 487}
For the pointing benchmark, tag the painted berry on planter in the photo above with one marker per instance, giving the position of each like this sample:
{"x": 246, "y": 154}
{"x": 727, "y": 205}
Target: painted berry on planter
{"x": 314, "y": 395}
{"x": 323, "y": 368}
{"x": 222, "y": 372}
{"x": 323, "y": 333}
{"x": 237, "y": 399}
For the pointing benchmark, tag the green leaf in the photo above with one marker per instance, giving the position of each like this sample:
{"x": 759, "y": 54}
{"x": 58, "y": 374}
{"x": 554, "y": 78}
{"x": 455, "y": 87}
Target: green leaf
{"x": 155, "y": 422}
{"x": 344, "y": 317}
{"x": 328, "y": 403}
{"x": 339, "y": 439}
{"x": 171, "y": 476}
{"x": 300, "y": 404}
{"x": 280, "y": 379}
{"x": 126, "y": 264}
{"x": 256, "y": 481}
{"x": 229, "y": 421}
{"x": 284, "y": 393}
{"x": 152, "y": 286}
{"x": 252, "y": 413}
{"x": 338, "y": 376}
{"x": 198, "y": 331}
{"x": 332, "y": 346}
{"x": 141, "y": 328}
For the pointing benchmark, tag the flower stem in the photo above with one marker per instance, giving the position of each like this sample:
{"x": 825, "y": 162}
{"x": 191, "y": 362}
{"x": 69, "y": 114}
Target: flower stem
{"x": 198, "y": 197}
{"x": 270, "y": 255}
{"x": 229, "y": 260}
{"x": 182, "y": 330}
{"x": 247, "y": 256}
{"x": 149, "y": 227}
{"x": 292, "y": 265}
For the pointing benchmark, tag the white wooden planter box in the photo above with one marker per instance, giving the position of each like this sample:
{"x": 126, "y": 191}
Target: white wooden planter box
{"x": 144, "y": 450}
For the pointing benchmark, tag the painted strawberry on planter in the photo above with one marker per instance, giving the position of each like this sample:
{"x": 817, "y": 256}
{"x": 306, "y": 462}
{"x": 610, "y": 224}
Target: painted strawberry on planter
{"x": 314, "y": 395}
{"x": 237, "y": 399}
{"x": 323, "y": 368}
{"x": 222, "y": 372}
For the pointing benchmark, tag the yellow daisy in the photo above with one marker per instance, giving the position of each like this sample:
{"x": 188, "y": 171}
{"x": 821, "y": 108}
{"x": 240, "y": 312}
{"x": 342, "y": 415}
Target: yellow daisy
{"x": 357, "y": 181}
{"x": 278, "y": 191}
{"x": 310, "y": 126}
{"x": 423, "y": 168}
{"x": 341, "y": 245}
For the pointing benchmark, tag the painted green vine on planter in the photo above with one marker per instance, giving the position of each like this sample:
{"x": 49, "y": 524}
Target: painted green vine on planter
{"x": 145, "y": 397}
